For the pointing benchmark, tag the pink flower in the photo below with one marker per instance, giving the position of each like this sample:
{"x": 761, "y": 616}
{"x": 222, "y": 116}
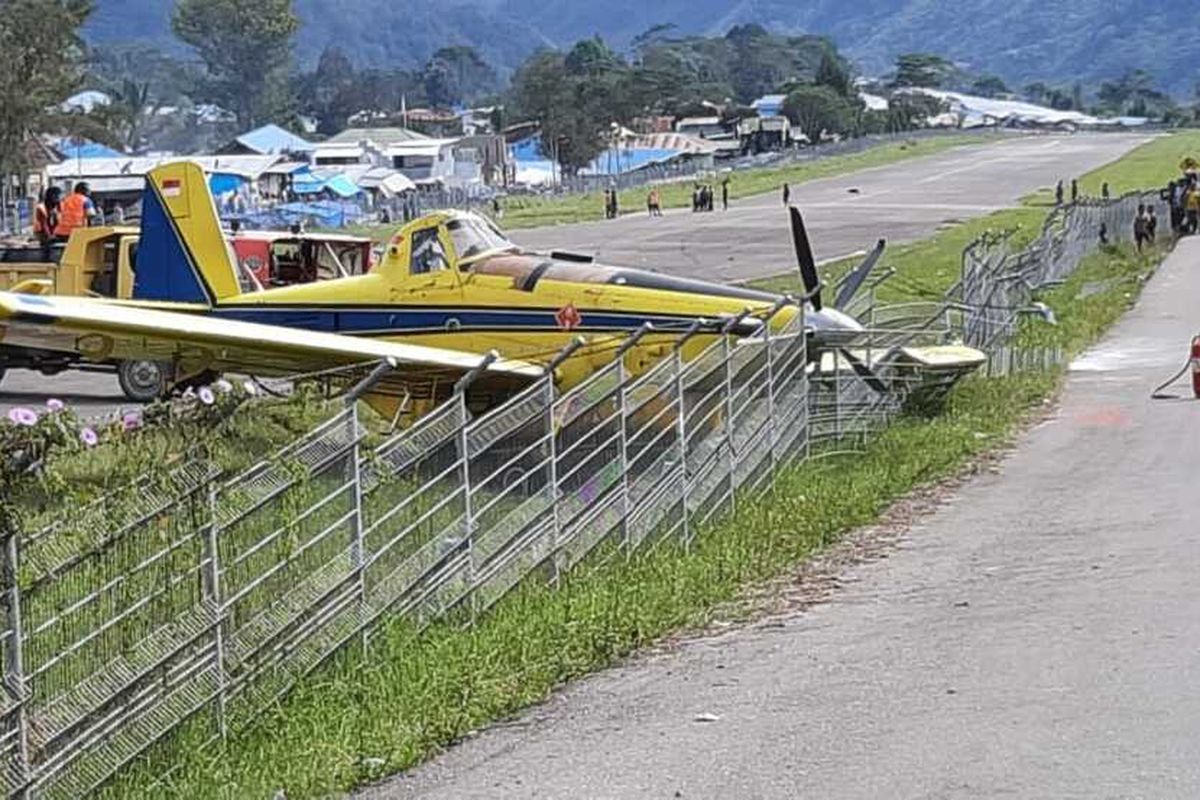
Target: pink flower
{"x": 89, "y": 437}
{"x": 23, "y": 416}
{"x": 54, "y": 405}
{"x": 132, "y": 421}
{"x": 206, "y": 396}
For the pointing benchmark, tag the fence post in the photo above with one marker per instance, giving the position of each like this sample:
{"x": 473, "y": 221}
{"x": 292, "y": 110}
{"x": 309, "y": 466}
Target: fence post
{"x": 460, "y": 392}
{"x": 772, "y": 438}
{"x": 551, "y": 367}
{"x": 623, "y": 444}
{"x": 212, "y": 587}
{"x": 14, "y": 669}
{"x": 681, "y": 422}
{"x": 358, "y": 548}
{"x": 727, "y": 349}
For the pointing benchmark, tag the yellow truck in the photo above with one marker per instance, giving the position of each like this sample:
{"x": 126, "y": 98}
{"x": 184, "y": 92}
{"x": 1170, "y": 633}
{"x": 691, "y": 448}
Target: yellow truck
{"x": 97, "y": 262}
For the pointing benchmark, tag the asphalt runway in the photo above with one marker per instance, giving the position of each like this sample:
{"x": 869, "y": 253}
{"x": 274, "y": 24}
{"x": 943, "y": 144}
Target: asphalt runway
{"x": 1037, "y": 636}
{"x": 901, "y": 202}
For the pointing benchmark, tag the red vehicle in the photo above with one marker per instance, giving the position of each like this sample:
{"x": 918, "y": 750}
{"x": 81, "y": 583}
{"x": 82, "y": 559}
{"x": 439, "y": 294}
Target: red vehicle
{"x": 279, "y": 258}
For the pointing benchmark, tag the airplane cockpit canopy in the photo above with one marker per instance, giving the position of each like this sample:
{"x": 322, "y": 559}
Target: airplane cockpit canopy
{"x": 473, "y": 236}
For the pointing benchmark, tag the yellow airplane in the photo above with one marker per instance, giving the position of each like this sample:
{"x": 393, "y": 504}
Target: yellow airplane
{"x": 450, "y": 288}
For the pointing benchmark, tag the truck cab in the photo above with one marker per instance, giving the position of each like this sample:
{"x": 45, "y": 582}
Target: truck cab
{"x": 95, "y": 262}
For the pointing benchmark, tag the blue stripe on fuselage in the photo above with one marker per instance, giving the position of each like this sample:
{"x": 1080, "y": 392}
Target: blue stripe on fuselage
{"x": 418, "y": 320}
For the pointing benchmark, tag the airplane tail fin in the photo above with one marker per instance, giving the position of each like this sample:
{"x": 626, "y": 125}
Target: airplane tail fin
{"x": 182, "y": 255}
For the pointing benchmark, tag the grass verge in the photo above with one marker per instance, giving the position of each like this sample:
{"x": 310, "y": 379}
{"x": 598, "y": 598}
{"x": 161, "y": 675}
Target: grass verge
{"x": 355, "y": 721}
{"x": 530, "y": 212}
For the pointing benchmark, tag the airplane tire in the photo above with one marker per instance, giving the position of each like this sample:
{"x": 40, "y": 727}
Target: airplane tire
{"x": 143, "y": 381}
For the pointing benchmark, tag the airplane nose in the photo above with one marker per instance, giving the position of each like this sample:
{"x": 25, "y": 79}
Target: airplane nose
{"x": 832, "y": 327}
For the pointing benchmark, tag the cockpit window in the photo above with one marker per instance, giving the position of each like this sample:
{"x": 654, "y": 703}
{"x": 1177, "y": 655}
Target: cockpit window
{"x": 473, "y": 235}
{"x": 428, "y": 255}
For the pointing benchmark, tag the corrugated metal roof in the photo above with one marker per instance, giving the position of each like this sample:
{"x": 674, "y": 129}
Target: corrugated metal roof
{"x": 248, "y": 166}
{"x": 378, "y": 136}
{"x": 272, "y": 139}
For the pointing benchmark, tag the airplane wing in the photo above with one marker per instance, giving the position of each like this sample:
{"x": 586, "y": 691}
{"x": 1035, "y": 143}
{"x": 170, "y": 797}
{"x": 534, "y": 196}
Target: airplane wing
{"x": 101, "y": 330}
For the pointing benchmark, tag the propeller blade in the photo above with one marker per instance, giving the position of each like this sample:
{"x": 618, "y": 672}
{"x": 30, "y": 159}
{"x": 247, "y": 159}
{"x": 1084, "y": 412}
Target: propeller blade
{"x": 858, "y": 277}
{"x": 805, "y": 260}
{"x": 864, "y": 371}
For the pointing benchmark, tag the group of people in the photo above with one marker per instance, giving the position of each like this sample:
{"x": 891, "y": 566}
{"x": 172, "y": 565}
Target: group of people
{"x": 704, "y": 197}
{"x": 1183, "y": 198}
{"x": 1060, "y": 192}
{"x": 56, "y": 216}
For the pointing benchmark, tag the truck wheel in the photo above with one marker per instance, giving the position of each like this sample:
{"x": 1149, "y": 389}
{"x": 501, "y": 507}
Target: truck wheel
{"x": 143, "y": 381}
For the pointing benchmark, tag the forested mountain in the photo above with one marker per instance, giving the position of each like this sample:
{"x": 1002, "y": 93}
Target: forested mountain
{"x": 1021, "y": 40}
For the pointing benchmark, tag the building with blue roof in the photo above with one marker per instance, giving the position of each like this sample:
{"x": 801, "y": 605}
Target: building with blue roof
{"x": 269, "y": 140}
{"x": 76, "y": 148}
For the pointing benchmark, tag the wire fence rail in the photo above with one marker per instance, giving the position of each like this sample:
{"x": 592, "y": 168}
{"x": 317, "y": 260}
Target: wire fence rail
{"x": 221, "y": 593}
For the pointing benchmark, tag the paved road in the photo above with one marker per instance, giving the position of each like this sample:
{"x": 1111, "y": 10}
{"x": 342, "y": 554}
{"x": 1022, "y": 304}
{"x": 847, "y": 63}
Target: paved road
{"x": 1037, "y": 637}
{"x": 901, "y": 202}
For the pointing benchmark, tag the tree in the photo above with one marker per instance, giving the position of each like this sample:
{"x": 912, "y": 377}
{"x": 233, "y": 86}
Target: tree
{"x": 989, "y": 86}
{"x": 1036, "y": 92}
{"x": 246, "y": 47}
{"x": 40, "y": 59}
{"x": 832, "y": 72}
{"x": 458, "y": 75}
{"x": 818, "y": 110}
{"x": 923, "y": 69}
{"x": 909, "y": 110}
{"x": 1134, "y": 94}
{"x": 576, "y": 97}
{"x": 331, "y": 92}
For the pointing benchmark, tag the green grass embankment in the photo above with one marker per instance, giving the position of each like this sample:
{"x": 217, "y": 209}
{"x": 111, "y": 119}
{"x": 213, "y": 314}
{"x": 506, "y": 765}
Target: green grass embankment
{"x": 353, "y": 722}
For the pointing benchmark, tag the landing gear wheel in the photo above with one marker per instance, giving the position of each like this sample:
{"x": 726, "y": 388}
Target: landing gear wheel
{"x": 143, "y": 381}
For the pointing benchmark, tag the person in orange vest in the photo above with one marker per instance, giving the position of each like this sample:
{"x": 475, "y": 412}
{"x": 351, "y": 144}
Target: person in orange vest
{"x": 77, "y": 211}
{"x": 45, "y": 219}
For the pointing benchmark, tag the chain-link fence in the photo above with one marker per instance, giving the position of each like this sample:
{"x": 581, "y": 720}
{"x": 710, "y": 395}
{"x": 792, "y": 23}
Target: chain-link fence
{"x": 191, "y": 597}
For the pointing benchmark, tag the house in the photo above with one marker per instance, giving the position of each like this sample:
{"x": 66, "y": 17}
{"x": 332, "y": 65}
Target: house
{"x": 268, "y": 140}
{"x": 478, "y": 121}
{"x": 761, "y": 134}
{"x": 703, "y": 127}
{"x": 769, "y": 105}
{"x": 422, "y": 159}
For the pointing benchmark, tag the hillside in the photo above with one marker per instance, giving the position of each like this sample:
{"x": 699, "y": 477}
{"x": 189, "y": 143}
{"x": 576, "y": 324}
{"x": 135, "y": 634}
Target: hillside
{"x": 1087, "y": 40}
